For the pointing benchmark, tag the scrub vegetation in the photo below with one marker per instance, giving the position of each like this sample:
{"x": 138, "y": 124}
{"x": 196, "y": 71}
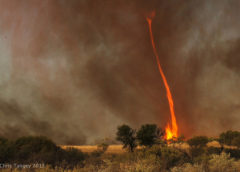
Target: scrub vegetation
{"x": 143, "y": 150}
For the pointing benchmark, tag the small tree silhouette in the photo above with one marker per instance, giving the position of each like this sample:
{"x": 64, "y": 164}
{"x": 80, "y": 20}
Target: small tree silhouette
{"x": 149, "y": 134}
{"x": 126, "y": 135}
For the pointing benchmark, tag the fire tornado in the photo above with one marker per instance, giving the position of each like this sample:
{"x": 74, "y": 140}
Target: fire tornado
{"x": 171, "y": 130}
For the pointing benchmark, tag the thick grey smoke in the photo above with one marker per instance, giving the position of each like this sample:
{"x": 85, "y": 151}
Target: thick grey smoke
{"x": 74, "y": 70}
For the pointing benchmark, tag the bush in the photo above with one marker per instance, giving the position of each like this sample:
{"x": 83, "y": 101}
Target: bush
{"x": 35, "y": 149}
{"x": 103, "y": 147}
{"x": 198, "y": 141}
{"x": 214, "y": 163}
{"x": 167, "y": 157}
{"x": 198, "y": 146}
{"x": 236, "y": 141}
{"x": 73, "y": 157}
{"x": 6, "y": 151}
{"x": 231, "y": 138}
{"x": 234, "y": 153}
{"x": 177, "y": 140}
{"x": 214, "y": 150}
{"x": 38, "y": 149}
{"x": 171, "y": 157}
{"x": 189, "y": 168}
{"x": 196, "y": 152}
{"x": 221, "y": 163}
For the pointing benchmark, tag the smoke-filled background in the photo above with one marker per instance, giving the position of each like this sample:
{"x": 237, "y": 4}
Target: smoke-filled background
{"x": 74, "y": 70}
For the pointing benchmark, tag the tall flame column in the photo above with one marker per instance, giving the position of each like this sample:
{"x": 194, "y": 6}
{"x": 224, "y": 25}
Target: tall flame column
{"x": 171, "y": 130}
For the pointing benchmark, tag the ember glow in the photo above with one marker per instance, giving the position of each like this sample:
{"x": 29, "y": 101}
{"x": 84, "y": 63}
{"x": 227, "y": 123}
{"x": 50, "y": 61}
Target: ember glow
{"x": 171, "y": 130}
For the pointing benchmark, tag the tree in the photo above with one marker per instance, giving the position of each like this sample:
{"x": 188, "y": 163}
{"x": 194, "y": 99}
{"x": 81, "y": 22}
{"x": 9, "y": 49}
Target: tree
{"x": 126, "y": 135}
{"x": 149, "y": 134}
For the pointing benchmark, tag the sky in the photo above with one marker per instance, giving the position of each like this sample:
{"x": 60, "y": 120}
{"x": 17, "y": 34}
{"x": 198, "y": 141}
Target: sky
{"x": 74, "y": 70}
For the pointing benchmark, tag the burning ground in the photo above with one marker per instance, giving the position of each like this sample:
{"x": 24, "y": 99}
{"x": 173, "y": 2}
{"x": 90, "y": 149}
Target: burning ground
{"x": 74, "y": 70}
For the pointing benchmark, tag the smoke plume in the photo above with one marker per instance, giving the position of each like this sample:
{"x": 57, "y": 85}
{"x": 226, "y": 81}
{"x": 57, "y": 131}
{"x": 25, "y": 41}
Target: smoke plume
{"x": 74, "y": 70}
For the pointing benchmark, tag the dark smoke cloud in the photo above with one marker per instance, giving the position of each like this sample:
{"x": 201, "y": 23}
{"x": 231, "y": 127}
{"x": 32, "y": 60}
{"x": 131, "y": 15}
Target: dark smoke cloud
{"x": 74, "y": 70}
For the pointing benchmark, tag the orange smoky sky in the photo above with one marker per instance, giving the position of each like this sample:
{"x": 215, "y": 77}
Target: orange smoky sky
{"x": 74, "y": 70}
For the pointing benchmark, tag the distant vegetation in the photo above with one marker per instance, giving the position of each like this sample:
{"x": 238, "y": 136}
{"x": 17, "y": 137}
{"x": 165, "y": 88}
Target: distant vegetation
{"x": 153, "y": 154}
{"x": 27, "y": 150}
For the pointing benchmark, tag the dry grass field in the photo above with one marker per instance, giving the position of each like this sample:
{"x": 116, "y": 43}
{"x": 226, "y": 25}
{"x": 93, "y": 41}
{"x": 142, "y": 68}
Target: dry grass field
{"x": 91, "y": 148}
{"x": 217, "y": 145}
{"x": 118, "y": 148}
{"x": 113, "y": 148}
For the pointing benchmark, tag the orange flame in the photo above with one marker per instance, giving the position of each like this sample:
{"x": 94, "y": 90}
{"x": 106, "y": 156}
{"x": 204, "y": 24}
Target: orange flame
{"x": 171, "y": 131}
